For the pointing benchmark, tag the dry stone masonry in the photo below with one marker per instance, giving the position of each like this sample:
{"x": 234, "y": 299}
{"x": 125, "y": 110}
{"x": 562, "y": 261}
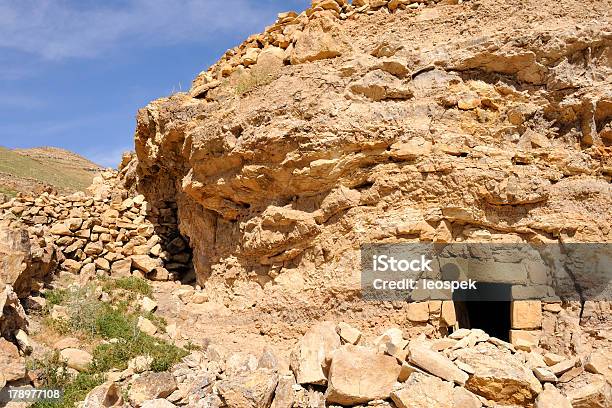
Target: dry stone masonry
{"x": 104, "y": 233}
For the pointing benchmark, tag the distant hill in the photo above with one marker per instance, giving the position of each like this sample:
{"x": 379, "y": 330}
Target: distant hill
{"x": 37, "y": 169}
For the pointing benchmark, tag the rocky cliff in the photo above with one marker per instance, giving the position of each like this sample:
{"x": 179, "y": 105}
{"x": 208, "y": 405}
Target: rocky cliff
{"x": 483, "y": 121}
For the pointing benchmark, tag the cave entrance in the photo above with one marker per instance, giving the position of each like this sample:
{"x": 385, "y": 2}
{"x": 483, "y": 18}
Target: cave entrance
{"x": 480, "y": 310}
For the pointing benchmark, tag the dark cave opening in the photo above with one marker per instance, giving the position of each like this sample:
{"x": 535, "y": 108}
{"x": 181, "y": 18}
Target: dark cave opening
{"x": 480, "y": 310}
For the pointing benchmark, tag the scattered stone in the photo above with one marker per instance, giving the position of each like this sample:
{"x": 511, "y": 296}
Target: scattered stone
{"x": 563, "y": 366}
{"x": 157, "y": 403}
{"x": 311, "y": 358}
{"x": 12, "y": 365}
{"x": 551, "y": 359}
{"x": 107, "y": 395}
{"x": 359, "y": 375}
{"x": 544, "y": 375}
{"x": 348, "y": 333}
{"x": 148, "y": 305}
{"x": 423, "y": 391}
{"x": 597, "y": 393}
{"x": 140, "y": 364}
{"x": 600, "y": 362}
{"x": 463, "y": 398}
{"x": 499, "y": 376}
{"x": 146, "y": 326}
{"x": 23, "y": 342}
{"x": 435, "y": 363}
{"x": 253, "y": 389}
{"x": 551, "y": 397}
{"x": 151, "y": 386}
{"x": 284, "y": 395}
{"x": 76, "y": 359}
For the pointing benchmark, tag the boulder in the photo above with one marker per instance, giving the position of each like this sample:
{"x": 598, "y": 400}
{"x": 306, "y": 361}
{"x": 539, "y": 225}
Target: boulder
{"x": 253, "y": 389}
{"x": 359, "y": 374}
{"x": 151, "y": 386}
{"x": 435, "y": 363}
{"x": 317, "y": 42}
{"x": 551, "y": 397}
{"x": 106, "y": 395}
{"x": 12, "y": 365}
{"x": 424, "y": 391}
{"x": 284, "y": 395}
{"x": 157, "y": 403}
{"x": 76, "y": 359}
{"x": 310, "y": 359}
{"x": 348, "y": 333}
{"x": 499, "y": 376}
{"x": 146, "y": 326}
{"x": 145, "y": 263}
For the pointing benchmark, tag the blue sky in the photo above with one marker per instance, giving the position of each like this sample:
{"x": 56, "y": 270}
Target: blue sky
{"x": 73, "y": 73}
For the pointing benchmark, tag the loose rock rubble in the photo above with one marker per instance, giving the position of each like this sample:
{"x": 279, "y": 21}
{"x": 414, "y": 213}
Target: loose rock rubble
{"x": 358, "y": 375}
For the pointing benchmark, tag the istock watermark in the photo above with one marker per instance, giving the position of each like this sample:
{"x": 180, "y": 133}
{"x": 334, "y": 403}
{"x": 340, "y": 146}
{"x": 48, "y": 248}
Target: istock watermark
{"x": 383, "y": 263}
{"x": 486, "y": 272}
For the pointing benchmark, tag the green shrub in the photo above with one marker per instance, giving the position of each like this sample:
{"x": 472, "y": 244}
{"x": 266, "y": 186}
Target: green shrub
{"x": 56, "y": 296}
{"x": 130, "y": 284}
{"x": 8, "y": 191}
{"x": 116, "y": 355}
{"x": 53, "y": 374}
{"x": 91, "y": 317}
{"x": 258, "y": 76}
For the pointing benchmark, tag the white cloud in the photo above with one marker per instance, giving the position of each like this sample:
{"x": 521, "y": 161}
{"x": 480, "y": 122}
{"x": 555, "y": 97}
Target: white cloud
{"x": 58, "y": 29}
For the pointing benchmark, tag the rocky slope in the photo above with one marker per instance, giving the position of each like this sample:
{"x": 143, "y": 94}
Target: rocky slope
{"x": 371, "y": 122}
{"x": 44, "y": 169}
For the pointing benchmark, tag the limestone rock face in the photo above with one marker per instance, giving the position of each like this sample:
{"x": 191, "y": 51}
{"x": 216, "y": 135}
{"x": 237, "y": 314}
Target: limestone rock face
{"x": 23, "y": 264}
{"x": 384, "y": 123}
{"x": 319, "y": 41}
{"x": 358, "y": 374}
{"x": 499, "y": 376}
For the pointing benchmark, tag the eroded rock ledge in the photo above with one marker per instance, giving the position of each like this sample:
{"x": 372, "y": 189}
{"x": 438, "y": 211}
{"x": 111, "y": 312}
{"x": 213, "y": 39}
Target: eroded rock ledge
{"x": 468, "y": 122}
